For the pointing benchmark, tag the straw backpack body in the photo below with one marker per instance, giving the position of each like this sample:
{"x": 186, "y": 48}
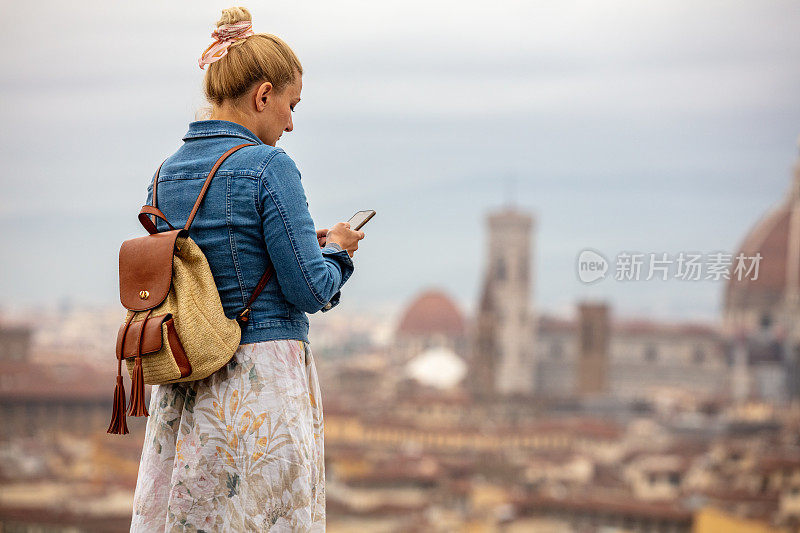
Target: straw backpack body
{"x": 175, "y": 328}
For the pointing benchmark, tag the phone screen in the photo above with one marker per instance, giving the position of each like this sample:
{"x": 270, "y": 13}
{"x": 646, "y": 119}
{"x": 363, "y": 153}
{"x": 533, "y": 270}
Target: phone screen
{"x": 360, "y": 218}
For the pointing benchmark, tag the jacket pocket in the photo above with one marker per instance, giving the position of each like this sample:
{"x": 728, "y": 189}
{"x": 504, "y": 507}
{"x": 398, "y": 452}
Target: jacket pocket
{"x": 270, "y": 305}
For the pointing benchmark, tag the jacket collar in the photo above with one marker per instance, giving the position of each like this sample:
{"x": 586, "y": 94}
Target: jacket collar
{"x": 213, "y": 128}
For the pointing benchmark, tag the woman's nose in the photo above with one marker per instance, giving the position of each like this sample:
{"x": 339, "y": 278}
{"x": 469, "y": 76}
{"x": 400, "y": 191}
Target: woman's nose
{"x": 290, "y": 127}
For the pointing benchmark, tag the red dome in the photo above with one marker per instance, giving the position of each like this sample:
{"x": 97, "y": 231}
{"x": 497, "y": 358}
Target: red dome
{"x": 431, "y": 313}
{"x": 772, "y": 237}
{"x": 775, "y": 237}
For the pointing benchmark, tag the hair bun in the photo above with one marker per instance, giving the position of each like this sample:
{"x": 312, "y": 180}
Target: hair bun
{"x": 232, "y": 15}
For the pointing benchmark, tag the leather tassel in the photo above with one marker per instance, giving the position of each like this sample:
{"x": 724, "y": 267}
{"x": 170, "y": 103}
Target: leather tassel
{"x": 138, "y": 407}
{"x": 118, "y": 425}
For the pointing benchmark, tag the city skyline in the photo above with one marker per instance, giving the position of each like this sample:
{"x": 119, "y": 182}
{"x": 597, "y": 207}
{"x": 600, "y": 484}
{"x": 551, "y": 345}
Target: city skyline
{"x": 675, "y": 130}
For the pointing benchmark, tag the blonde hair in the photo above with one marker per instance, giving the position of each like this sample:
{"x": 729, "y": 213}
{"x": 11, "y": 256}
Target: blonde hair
{"x": 257, "y": 58}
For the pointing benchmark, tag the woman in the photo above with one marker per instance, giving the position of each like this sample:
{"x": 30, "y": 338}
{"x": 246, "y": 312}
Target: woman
{"x": 242, "y": 450}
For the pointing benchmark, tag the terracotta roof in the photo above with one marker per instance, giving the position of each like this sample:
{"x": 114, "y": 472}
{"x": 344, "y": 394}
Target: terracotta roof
{"x": 42, "y": 517}
{"x": 777, "y": 463}
{"x": 571, "y": 428}
{"x": 633, "y": 327}
{"x": 335, "y": 507}
{"x": 430, "y": 313}
{"x": 770, "y": 236}
{"x": 605, "y": 505}
{"x": 23, "y": 380}
{"x": 435, "y": 397}
{"x": 650, "y": 327}
{"x": 554, "y": 324}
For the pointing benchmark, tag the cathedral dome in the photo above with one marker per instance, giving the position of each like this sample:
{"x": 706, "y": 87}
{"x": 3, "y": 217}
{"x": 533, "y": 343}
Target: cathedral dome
{"x": 770, "y": 237}
{"x": 756, "y": 304}
{"x": 776, "y": 236}
{"x": 432, "y": 313}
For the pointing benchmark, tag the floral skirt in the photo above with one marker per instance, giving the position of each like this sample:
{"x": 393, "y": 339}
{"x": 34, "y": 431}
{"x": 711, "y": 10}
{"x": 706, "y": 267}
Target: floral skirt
{"x": 241, "y": 450}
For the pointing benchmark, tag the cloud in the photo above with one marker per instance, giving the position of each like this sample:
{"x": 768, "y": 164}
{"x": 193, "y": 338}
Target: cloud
{"x": 587, "y": 103}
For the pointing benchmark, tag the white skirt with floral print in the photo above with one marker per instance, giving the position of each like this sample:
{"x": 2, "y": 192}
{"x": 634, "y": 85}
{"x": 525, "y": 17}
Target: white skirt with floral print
{"x": 241, "y": 450}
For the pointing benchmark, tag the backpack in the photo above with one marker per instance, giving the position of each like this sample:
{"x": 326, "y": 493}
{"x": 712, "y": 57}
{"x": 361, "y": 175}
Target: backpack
{"x": 175, "y": 327}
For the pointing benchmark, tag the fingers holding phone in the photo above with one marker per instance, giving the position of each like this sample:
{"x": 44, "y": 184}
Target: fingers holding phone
{"x": 345, "y": 237}
{"x": 347, "y": 234}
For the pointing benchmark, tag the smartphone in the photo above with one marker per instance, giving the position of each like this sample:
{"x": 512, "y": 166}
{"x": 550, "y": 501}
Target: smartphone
{"x": 358, "y": 220}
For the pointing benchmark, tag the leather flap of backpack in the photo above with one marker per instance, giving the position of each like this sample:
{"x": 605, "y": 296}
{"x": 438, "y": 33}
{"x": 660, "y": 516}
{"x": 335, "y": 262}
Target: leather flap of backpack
{"x": 151, "y": 338}
{"x": 145, "y": 269}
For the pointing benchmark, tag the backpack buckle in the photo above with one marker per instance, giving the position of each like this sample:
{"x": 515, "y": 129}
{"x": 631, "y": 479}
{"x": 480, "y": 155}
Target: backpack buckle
{"x": 244, "y": 316}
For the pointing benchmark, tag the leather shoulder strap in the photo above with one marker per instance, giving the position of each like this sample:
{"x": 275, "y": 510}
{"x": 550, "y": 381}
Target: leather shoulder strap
{"x": 242, "y": 316}
{"x": 213, "y": 171}
{"x": 155, "y": 196}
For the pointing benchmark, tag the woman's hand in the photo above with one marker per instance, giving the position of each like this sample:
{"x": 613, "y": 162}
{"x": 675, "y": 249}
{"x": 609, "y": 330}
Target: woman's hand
{"x": 322, "y": 236}
{"x": 342, "y": 235}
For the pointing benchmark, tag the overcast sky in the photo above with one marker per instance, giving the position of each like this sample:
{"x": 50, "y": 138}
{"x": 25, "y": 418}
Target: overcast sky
{"x": 647, "y": 126}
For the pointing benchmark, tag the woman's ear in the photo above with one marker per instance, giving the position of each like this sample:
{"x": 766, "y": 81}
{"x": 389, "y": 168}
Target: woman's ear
{"x": 263, "y": 92}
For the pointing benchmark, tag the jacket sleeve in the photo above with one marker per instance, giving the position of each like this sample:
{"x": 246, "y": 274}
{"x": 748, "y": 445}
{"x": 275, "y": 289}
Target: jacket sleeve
{"x": 310, "y": 277}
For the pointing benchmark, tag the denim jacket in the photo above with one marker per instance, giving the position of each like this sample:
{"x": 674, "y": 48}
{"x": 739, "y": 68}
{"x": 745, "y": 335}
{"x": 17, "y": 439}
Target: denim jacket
{"x": 254, "y": 206}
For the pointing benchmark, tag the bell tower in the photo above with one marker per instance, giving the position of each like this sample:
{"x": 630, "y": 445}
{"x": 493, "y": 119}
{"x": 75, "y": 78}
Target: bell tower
{"x": 503, "y": 350}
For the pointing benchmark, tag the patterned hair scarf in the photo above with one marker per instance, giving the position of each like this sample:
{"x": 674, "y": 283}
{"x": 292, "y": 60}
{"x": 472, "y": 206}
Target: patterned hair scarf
{"x": 224, "y": 35}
